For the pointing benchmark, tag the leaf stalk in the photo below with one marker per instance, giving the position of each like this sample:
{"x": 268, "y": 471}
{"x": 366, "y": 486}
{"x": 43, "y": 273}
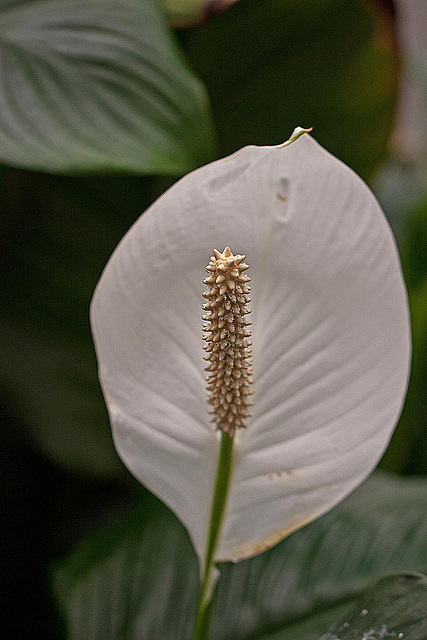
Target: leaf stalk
{"x": 207, "y": 588}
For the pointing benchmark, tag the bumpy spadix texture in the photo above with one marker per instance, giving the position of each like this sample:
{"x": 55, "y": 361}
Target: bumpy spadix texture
{"x": 330, "y": 341}
{"x": 227, "y": 335}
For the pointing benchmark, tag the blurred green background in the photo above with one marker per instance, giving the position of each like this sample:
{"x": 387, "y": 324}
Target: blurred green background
{"x": 103, "y": 104}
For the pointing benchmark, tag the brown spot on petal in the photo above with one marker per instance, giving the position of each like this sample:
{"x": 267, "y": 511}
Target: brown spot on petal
{"x": 289, "y": 473}
{"x": 249, "y": 549}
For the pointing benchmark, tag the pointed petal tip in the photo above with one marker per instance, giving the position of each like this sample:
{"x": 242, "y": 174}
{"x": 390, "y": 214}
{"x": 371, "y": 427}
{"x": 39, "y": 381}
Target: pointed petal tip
{"x": 297, "y": 133}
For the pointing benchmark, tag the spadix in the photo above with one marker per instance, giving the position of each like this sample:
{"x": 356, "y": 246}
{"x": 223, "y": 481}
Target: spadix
{"x": 227, "y": 335}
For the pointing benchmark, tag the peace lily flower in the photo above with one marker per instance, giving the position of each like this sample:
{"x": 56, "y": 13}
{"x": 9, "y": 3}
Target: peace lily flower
{"x": 330, "y": 342}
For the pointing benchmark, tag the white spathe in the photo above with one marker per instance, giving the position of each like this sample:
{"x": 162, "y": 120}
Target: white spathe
{"x": 330, "y": 333}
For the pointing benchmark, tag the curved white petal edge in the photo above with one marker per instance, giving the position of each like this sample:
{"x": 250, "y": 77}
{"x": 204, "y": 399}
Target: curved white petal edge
{"x": 330, "y": 333}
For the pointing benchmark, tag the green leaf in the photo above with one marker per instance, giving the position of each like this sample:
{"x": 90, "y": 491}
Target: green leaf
{"x": 184, "y": 12}
{"x": 407, "y": 452}
{"x": 275, "y": 64}
{"x": 395, "y": 607}
{"x": 57, "y": 234}
{"x": 97, "y": 85}
{"x": 139, "y": 580}
{"x": 310, "y": 628}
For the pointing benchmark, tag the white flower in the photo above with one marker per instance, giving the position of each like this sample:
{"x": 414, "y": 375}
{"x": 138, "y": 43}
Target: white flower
{"x": 330, "y": 341}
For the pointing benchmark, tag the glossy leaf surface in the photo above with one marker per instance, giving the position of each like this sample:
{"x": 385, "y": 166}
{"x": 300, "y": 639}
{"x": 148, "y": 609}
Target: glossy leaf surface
{"x": 90, "y": 85}
{"x": 395, "y": 607}
{"x": 142, "y": 576}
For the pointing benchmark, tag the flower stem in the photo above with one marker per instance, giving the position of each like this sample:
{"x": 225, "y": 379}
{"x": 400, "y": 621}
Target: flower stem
{"x": 206, "y": 593}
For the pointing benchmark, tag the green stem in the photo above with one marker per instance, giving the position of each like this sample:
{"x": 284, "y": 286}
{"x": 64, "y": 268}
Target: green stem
{"x": 223, "y": 474}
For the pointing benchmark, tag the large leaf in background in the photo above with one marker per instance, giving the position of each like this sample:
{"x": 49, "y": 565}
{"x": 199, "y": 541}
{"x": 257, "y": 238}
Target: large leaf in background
{"x": 270, "y": 63}
{"x": 396, "y": 607}
{"x": 57, "y": 233}
{"x": 139, "y": 580}
{"x": 407, "y": 452}
{"x": 97, "y": 85}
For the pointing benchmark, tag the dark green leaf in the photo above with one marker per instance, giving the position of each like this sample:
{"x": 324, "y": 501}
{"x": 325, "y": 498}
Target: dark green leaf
{"x": 97, "y": 85}
{"x": 57, "y": 234}
{"x": 139, "y": 582}
{"x": 271, "y": 65}
{"x": 395, "y": 608}
{"x": 408, "y": 449}
{"x": 310, "y": 628}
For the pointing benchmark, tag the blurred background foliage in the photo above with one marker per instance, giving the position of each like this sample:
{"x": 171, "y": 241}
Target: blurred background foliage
{"x": 103, "y": 104}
